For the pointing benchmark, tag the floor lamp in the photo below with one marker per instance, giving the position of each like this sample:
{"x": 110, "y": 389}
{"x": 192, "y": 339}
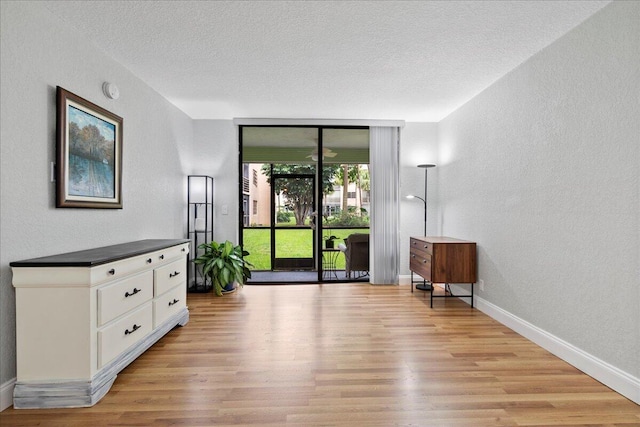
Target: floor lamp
{"x": 424, "y": 286}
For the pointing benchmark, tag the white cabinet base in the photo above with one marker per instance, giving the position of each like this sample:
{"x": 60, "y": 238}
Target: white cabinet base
{"x": 74, "y": 394}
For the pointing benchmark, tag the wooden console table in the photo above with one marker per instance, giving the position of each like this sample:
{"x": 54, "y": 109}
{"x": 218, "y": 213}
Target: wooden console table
{"x": 443, "y": 260}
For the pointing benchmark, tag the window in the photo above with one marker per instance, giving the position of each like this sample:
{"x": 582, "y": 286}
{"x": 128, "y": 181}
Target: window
{"x": 254, "y": 211}
{"x": 245, "y": 178}
{"x": 245, "y": 210}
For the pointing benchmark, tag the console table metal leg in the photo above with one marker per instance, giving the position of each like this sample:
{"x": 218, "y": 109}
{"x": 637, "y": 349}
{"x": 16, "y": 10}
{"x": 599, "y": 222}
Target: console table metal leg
{"x": 447, "y": 289}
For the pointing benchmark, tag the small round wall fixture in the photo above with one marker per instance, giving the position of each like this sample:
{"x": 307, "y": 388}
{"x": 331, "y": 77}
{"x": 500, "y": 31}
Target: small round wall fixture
{"x": 110, "y": 90}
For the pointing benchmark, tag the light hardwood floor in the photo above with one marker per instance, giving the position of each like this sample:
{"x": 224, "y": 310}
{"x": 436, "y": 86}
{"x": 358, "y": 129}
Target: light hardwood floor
{"x": 343, "y": 355}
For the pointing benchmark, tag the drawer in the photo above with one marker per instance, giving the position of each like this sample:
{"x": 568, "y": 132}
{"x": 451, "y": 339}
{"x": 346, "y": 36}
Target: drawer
{"x": 419, "y": 253}
{"x": 421, "y": 266}
{"x": 168, "y": 254}
{"x": 120, "y": 269}
{"x": 165, "y": 278}
{"x": 169, "y": 303}
{"x": 123, "y": 296}
{"x": 421, "y": 245}
{"x": 125, "y": 267}
{"x": 124, "y": 333}
{"x": 419, "y": 258}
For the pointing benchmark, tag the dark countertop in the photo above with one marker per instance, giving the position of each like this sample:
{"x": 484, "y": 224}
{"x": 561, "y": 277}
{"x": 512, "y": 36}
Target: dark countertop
{"x": 103, "y": 255}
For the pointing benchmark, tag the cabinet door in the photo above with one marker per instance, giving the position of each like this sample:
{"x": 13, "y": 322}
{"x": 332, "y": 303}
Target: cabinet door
{"x": 454, "y": 263}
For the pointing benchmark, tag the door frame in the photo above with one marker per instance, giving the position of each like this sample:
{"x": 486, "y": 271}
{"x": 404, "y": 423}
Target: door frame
{"x": 274, "y": 220}
{"x": 318, "y": 187}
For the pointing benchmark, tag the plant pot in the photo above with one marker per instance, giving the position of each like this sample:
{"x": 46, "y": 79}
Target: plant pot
{"x": 230, "y": 287}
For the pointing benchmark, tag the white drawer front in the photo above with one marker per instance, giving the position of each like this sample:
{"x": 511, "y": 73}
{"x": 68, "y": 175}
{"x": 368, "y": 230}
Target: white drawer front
{"x": 169, "y": 303}
{"x": 122, "y": 268}
{"x": 125, "y": 295}
{"x": 170, "y": 253}
{"x": 124, "y": 333}
{"x": 168, "y": 276}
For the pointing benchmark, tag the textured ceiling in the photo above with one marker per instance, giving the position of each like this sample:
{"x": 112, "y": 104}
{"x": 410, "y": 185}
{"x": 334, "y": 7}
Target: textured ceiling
{"x": 399, "y": 60}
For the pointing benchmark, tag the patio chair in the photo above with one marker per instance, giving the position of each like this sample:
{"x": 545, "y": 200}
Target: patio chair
{"x": 356, "y": 253}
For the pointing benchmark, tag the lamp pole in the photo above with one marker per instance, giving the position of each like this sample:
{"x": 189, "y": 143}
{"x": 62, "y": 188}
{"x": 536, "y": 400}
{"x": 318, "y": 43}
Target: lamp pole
{"x": 423, "y": 286}
{"x": 424, "y": 201}
{"x": 426, "y": 167}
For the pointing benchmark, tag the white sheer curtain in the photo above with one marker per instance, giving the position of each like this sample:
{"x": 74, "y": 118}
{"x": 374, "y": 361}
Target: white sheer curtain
{"x": 384, "y": 238}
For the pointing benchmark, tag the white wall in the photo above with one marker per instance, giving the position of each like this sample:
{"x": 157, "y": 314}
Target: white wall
{"x": 39, "y": 52}
{"x": 542, "y": 169}
{"x": 418, "y": 145}
{"x": 216, "y": 155}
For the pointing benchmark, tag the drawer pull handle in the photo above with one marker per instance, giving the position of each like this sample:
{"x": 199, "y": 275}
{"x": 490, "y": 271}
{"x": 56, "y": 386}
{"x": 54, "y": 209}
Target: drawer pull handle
{"x": 184, "y": 249}
{"x": 426, "y": 246}
{"x": 112, "y": 271}
{"x": 135, "y": 328}
{"x": 175, "y": 301}
{"x": 413, "y": 256}
{"x": 174, "y": 274}
{"x": 149, "y": 261}
{"x": 161, "y": 256}
{"x": 135, "y": 291}
{"x": 424, "y": 261}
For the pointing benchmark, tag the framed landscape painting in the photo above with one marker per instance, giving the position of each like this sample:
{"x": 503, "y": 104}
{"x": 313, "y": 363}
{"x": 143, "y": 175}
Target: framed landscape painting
{"x": 89, "y": 154}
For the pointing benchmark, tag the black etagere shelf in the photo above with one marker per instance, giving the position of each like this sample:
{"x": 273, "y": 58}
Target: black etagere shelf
{"x": 199, "y": 227}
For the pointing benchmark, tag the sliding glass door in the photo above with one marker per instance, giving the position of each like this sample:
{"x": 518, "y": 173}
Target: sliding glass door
{"x": 305, "y": 190}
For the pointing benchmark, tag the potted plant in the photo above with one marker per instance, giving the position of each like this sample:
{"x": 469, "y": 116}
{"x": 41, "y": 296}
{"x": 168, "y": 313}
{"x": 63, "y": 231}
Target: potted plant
{"x": 224, "y": 263}
{"x": 329, "y": 241}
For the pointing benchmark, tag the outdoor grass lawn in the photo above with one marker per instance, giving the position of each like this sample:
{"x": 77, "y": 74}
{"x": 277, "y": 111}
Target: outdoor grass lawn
{"x": 291, "y": 243}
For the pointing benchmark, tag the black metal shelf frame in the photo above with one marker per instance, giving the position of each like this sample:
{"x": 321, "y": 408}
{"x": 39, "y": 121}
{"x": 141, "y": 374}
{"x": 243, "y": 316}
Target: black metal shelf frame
{"x": 199, "y": 227}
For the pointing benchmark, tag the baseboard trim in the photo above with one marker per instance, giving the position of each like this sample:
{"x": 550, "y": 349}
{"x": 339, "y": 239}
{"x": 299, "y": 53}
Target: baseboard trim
{"x": 404, "y": 279}
{"x": 6, "y": 394}
{"x": 614, "y": 378}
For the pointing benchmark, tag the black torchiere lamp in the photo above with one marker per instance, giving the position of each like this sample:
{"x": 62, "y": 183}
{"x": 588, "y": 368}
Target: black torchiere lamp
{"x": 423, "y": 286}
{"x": 411, "y": 196}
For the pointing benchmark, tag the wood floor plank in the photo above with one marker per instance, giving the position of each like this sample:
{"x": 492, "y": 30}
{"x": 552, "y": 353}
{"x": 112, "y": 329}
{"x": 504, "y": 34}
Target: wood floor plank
{"x": 343, "y": 355}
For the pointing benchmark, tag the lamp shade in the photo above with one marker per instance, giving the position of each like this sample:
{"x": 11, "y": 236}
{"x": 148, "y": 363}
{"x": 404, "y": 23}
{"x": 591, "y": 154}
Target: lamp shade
{"x": 200, "y": 224}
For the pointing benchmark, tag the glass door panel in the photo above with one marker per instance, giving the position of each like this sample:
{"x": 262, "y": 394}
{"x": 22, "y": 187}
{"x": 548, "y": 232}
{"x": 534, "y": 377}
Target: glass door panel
{"x": 345, "y": 199}
{"x": 293, "y": 236}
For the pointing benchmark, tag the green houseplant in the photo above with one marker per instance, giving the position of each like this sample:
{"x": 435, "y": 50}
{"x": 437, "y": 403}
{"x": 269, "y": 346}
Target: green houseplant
{"x": 329, "y": 241}
{"x": 224, "y": 263}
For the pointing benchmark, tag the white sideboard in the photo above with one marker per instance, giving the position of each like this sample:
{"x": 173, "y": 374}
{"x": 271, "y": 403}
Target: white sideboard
{"x": 82, "y": 317}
